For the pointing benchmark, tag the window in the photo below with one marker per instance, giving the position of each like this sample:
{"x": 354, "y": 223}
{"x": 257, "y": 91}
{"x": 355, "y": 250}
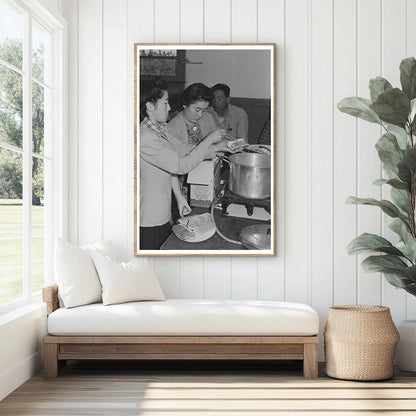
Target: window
{"x": 30, "y": 148}
{"x": 169, "y": 64}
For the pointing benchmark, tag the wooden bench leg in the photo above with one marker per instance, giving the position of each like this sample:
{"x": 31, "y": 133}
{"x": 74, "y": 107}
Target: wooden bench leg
{"x": 310, "y": 360}
{"x": 50, "y": 360}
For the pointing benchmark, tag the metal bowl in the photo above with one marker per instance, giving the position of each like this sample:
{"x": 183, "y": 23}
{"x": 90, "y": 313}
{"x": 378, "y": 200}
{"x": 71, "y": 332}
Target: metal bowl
{"x": 256, "y": 237}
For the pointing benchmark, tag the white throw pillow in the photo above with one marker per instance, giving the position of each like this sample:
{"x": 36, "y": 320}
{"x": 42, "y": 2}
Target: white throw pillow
{"x": 75, "y": 273}
{"x": 126, "y": 282}
{"x": 103, "y": 247}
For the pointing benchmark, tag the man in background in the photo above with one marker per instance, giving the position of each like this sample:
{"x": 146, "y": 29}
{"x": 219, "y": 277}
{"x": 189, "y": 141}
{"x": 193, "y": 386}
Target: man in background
{"x": 229, "y": 117}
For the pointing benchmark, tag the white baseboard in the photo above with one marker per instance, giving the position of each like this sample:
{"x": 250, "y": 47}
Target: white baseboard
{"x": 10, "y": 380}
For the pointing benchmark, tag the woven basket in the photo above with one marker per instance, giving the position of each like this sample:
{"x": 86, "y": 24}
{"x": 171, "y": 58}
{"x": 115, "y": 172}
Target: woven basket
{"x": 360, "y": 341}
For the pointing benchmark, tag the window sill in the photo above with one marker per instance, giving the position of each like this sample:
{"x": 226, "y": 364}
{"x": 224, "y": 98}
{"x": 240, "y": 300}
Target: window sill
{"x": 35, "y": 307}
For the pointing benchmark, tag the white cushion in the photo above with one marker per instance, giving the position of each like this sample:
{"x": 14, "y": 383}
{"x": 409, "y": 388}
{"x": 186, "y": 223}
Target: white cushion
{"x": 126, "y": 282}
{"x": 178, "y": 317}
{"x": 104, "y": 247}
{"x": 75, "y": 273}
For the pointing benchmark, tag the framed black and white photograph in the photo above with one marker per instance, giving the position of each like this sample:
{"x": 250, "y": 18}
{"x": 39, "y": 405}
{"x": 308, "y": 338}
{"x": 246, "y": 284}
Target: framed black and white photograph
{"x": 204, "y": 150}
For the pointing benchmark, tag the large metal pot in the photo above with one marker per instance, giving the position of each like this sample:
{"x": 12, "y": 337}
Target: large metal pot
{"x": 250, "y": 175}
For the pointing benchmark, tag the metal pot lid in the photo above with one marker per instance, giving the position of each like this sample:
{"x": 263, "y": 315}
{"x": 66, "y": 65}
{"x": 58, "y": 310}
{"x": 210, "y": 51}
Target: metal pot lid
{"x": 256, "y": 237}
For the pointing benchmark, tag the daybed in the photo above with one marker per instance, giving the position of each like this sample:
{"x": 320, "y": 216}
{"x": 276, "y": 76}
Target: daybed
{"x": 181, "y": 329}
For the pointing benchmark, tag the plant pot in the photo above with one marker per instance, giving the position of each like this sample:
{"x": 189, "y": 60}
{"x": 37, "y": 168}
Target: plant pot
{"x": 360, "y": 341}
{"x": 406, "y": 349}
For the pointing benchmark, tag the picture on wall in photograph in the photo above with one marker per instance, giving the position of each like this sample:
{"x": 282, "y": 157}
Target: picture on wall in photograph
{"x": 204, "y": 173}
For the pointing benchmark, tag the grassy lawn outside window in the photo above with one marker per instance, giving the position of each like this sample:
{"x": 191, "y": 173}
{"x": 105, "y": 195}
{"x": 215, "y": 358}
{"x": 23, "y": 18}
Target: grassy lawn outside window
{"x": 28, "y": 135}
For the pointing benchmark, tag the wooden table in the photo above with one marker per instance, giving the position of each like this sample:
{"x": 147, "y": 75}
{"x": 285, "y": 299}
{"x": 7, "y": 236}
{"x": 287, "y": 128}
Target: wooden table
{"x": 228, "y": 225}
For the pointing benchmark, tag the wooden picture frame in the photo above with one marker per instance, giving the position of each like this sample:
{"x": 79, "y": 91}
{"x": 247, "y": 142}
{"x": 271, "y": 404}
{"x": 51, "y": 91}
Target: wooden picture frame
{"x": 233, "y": 198}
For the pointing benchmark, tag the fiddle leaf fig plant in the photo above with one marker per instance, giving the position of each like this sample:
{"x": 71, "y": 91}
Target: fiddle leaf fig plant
{"x": 394, "y": 109}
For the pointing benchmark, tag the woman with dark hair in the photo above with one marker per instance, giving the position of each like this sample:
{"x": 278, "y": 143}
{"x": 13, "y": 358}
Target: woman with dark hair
{"x": 194, "y": 123}
{"x": 162, "y": 157}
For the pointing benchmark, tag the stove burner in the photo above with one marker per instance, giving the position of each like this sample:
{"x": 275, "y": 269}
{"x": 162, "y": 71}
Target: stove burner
{"x": 226, "y": 198}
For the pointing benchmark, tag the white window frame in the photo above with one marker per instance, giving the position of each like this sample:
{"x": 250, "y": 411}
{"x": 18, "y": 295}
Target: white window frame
{"x": 58, "y": 211}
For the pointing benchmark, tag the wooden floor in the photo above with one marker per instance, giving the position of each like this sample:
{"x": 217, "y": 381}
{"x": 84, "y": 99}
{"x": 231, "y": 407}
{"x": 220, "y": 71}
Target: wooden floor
{"x": 192, "y": 389}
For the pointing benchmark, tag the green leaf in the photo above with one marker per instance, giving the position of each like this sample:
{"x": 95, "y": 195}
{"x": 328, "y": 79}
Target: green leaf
{"x": 410, "y": 158}
{"x": 412, "y": 114}
{"x": 400, "y": 198}
{"x": 366, "y": 243}
{"x": 400, "y": 228}
{"x": 378, "y": 86}
{"x": 404, "y": 173}
{"x": 397, "y": 280}
{"x": 411, "y": 273}
{"x": 398, "y": 184}
{"x": 392, "y": 107}
{"x": 411, "y": 289}
{"x": 389, "y": 208}
{"x": 390, "y": 173}
{"x": 395, "y": 183}
{"x": 380, "y": 182}
{"x": 359, "y": 107}
{"x": 408, "y": 249}
{"x": 401, "y": 139}
{"x": 408, "y": 77}
{"x": 381, "y": 263}
{"x": 389, "y": 151}
{"x": 396, "y": 271}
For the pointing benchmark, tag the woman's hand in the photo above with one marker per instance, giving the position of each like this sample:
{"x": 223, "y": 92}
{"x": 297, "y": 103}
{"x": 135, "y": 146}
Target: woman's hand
{"x": 183, "y": 206}
{"x": 216, "y": 136}
{"x": 221, "y": 147}
{"x": 216, "y": 148}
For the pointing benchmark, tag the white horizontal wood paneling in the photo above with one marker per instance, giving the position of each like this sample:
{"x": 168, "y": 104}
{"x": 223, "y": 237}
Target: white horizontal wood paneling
{"x": 326, "y": 50}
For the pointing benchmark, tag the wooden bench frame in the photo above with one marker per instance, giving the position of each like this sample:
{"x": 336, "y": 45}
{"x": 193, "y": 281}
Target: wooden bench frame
{"x": 58, "y": 349}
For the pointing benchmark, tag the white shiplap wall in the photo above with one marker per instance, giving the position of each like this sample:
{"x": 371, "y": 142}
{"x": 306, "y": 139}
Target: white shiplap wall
{"x": 326, "y": 50}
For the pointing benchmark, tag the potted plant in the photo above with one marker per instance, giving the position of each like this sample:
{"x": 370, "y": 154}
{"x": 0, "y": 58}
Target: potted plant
{"x": 394, "y": 109}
